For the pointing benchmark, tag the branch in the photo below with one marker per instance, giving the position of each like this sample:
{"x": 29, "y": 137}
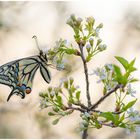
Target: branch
{"x": 104, "y": 97}
{"x": 85, "y": 134}
{"x": 86, "y": 74}
{"x": 81, "y": 105}
{"x": 98, "y": 111}
{"x": 75, "y": 108}
{"x": 107, "y": 124}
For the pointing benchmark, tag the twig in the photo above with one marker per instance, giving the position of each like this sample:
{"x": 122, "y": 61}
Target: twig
{"x": 86, "y": 74}
{"x": 105, "y": 96}
{"x": 98, "y": 111}
{"x": 81, "y": 105}
{"x": 75, "y": 108}
{"x": 107, "y": 124}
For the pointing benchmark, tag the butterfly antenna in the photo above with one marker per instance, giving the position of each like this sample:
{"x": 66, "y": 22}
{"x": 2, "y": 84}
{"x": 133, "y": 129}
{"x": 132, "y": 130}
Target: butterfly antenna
{"x": 36, "y": 41}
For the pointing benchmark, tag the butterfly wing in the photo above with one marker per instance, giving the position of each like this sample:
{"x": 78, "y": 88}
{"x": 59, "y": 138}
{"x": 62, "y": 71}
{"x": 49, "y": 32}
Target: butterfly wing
{"x": 19, "y": 75}
{"x": 45, "y": 72}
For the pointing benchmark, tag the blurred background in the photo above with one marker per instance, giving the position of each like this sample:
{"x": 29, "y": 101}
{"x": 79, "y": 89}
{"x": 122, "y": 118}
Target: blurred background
{"x": 19, "y": 21}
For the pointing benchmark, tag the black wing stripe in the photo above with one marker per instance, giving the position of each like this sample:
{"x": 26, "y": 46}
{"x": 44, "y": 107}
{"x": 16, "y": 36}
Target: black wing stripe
{"x": 43, "y": 72}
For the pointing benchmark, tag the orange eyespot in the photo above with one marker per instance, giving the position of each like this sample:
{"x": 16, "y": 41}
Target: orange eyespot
{"x": 28, "y": 91}
{"x": 19, "y": 84}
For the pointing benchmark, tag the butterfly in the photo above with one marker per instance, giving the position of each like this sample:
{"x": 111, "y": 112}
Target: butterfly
{"x": 19, "y": 74}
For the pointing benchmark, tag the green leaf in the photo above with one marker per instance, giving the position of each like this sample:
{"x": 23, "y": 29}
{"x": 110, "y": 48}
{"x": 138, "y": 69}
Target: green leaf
{"x": 123, "y": 61}
{"x": 129, "y": 105}
{"x": 51, "y": 114}
{"x": 78, "y": 95}
{"x": 131, "y": 69}
{"x": 123, "y": 125}
{"x": 137, "y": 122}
{"x": 116, "y": 119}
{"x": 108, "y": 115}
{"x": 122, "y": 117}
{"x": 111, "y": 117}
{"x": 133, "y": 80}
{"x": 97, "y": 124}
{"x": 55, "y": 109}
{"x": 132, "y": 62}
{"x": 55, "y": 121}
{"x": 119, "y": 76}
{"x": 59, "y": 99}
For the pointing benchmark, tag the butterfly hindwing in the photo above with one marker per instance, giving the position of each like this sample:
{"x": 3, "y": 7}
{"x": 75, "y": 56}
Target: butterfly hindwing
{"x": 19, "y": 75}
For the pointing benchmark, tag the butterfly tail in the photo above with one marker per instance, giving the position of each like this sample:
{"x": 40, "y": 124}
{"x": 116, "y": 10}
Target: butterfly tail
{"x": 11, "y": 93}
{"x": 16, "y": 92}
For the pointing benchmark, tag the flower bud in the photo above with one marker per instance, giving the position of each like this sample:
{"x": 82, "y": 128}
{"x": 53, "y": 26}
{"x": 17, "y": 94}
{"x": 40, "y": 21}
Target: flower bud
{"x": 102, "y": 47}
{"x": 91, "y": 41}
{"x": 66, "y": 84}
{"x": 100, "y": 25}
{"x": 79, "y": 20}
{"x": 69, "y": 22}
{"x": 88, "y": 47}
{"x": 90, "y": 20}
{"x": 73, "y": 17}
{"x": 99, "y": 41}
{"x": 71, "y": 80}
{"x": 49, "y": 89}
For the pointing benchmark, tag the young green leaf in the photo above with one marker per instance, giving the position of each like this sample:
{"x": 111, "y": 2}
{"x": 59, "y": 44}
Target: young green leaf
{"x": 59, "y": 99}
{"x": 122, "y": 117}
{"x": 55, "y": 121}
{"x": 133, "y": 80}
{"x": 129, "y": 105}
{"x": 51, "y": 114}
{"x": 123, "y": 125}
{"x": 131, "y": 69}
{"x": 108, "y": 115}
{"x": 118, "y": 73}
{"x": 78, "y": 95}
{"x": 132, "y": 62}
{"x": 123, "y": 61}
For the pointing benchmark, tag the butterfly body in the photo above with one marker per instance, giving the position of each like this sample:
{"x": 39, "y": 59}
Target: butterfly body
{"x": 19, "y": 74}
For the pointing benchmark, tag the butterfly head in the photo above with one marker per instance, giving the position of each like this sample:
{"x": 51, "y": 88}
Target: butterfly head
{"x": 43, "y": 56}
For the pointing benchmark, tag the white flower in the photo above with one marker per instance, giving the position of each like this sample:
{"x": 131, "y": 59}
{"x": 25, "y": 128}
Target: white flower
{"x": 109, "y": 66}
{"x": 133, "y": 115}
{"x": 101, "y": 73}
{"x": 131, "y": 91}
{"x": 66, "y": 42}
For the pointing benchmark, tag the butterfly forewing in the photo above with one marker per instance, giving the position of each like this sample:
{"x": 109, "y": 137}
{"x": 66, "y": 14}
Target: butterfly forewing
{"x": 45, "y": 72}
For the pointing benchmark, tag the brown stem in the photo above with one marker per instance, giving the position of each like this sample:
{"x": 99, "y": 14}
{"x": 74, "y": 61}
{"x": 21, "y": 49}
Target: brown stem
{"x": 85, "y": 134}
{"x": 105, "y": 96}
{"x": 81, "y": 105}
{"x": 86, "y": 74}
{"x": 75, "y": 108}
